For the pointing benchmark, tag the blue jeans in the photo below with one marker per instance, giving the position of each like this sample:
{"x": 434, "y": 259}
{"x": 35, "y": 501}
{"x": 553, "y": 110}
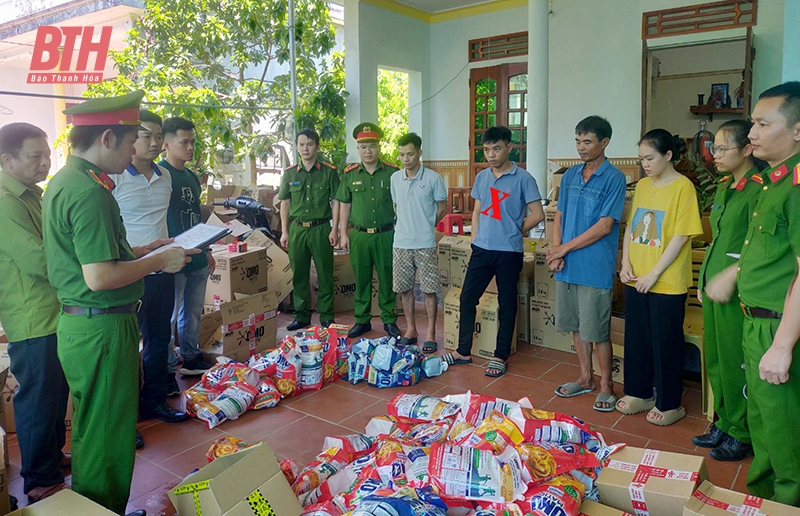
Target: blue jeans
{"x": 190, "y": 294}
{"x": 39, "y": 407}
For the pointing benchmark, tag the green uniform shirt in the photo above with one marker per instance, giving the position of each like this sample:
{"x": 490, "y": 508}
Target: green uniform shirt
{"x": 184, "y": 209}
{"x": 370, "y": 195}
{"x": 28, "y": 304}
{"x": 310, "y": 191}
{"x": 768, "y": 264}
{"x": 729, "y": 218}
{"x": 82, "y": 225}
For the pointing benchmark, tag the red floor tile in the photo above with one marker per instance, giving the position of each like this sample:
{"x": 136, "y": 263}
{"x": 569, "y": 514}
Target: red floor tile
{"x": 335, "y": 403}
{"x": 147, "y": 477}
{"x": 164, "y": 440}
{"x": 466, "y": 377}
{"x": 559, "y": 356}
{"x": 512, "y": 387}
{"x": 302, "y": 440}
{"x": 562, "y": 373}
{"x": 582, "y": 407}
{"x": 720, "y": 473}
{"x": 254, "y": 425}
{"x": 740, "y": 483}
{"x": 156, "y": 502}
{"x": 358, "y": 421}
{"x": 529, "y": 366}
{"x": 679, "y": 434}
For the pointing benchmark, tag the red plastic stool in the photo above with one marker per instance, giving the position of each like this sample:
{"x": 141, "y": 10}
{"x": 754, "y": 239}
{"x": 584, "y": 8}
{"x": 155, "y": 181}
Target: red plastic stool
{"x": 446, "y": 224}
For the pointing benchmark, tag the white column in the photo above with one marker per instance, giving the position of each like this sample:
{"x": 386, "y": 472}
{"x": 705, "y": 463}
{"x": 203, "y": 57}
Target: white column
{"x": 538, "y": 79}
{"x": 361, "y": 76}
{"x": 791, "y": 42}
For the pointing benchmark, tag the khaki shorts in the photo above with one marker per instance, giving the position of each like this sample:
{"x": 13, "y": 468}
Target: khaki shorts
{"x": 408, "y": 262}
{"x": 586, "y": 310}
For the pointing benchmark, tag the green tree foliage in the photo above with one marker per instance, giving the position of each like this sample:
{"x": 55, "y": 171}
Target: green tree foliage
{"x": 392, "y": 110}
{"x": 224, "y": 53}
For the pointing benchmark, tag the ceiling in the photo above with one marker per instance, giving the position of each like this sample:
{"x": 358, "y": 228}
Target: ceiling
{"x": 437, "y": 6}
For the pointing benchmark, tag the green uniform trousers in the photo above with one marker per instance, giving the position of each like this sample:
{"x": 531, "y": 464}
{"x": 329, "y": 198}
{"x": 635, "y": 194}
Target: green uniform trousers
{"x": 724, "y": 357}
{"x": 100, "y": 357}
{"x": 773, "y": 413}
{"x": 304, "y": 244}
{"x": 368, "y": 251}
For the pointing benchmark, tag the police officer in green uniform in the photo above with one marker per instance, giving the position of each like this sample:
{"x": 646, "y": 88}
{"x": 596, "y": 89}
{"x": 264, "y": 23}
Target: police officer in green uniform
{"x": 98, "y": 279}
{"x": 367, "y": 210}
{"x": 770, "y": 297}
{"x": 307, "y": 205}
{"x": 723, "y": 319}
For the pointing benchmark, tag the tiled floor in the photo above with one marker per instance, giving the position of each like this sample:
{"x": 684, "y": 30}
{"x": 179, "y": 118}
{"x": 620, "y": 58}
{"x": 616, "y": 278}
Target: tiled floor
{"x": 297, "y": 427}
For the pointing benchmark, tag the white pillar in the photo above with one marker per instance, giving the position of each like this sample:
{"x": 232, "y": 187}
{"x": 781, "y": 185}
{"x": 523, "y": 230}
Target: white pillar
{"x": 791, "y": 42}
{"x": 538, "y": 92}
{"x": 361, "y": 76}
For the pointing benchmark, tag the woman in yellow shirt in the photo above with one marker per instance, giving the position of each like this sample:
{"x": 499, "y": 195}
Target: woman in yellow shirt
{"x": 657, "y": 272}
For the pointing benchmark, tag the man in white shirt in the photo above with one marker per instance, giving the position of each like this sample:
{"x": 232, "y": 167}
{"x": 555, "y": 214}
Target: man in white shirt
{"x": 143, "y": 192}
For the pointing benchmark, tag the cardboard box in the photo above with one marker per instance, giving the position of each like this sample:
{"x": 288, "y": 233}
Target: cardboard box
{"x": 543, "y": 326}
{"x": 63, "y": 503}
{"x": 237, "y": 272}
{"x": 590, "y": 508}
{"x": 484, "y": 336}
{"x": 710, "y": 500}
{"x": 10, "y": 386}
{"x": 526, "y": 283}
{"x": 443, "y": 253}
{"x": 544, "y": 282}
{"x": 241, "y": 327}
{"x": 279, "y": 270}
{"x": 460, "y": 253}
{"x": 618, "y": 331}
{"x": 229, "y": 485}
{"x": 549, "y": 218}
{"x": 237, "y": 228}
{"x": 617, "y": 363}
{"x": 523, "y": 316}
{"x": 664, "y": 481}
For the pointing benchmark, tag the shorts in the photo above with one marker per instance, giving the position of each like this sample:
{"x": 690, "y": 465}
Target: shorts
{"x": 407, "y": 263}
{"x": 586, "y": 310}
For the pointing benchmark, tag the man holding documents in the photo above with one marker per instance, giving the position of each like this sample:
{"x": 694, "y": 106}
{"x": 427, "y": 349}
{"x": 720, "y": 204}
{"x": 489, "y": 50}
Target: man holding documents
{"x": 184, "y": 213}
{"x": 143, "y": 192}
{"x": 97, "y": 278}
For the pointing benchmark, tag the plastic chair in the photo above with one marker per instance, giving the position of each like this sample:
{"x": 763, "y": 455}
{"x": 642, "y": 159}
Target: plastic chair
{"x": 446, "y": 224}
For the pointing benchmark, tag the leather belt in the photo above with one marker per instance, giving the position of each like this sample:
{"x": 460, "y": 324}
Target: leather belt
{"x": 124, "y": 309}
{"x": 372, "y": 231}
{"x": 311, "y": 224}
{"x": 761, "y": 313}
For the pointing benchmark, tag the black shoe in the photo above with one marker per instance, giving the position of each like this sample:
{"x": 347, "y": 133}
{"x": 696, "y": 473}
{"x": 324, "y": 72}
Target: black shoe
{"x": 139, "y": 440}
{"x": 165, "y": 413}
{"x": 327, "y": 323}
{"x": 359, "y": 329}
{"x": 392, "y": 330}
{"x": 195, "y": 366}
{"x": 731, "y": 449}
{"x": 296, "y": 325}
{"x": 140, "y": 512}
{"x": 172, "y": 386}
{"x": 13, "y": 502}
{"x": 710, "y": 440}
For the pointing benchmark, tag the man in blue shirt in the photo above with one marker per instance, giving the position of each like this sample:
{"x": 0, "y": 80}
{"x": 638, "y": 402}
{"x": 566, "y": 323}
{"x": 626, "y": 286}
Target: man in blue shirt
{"x": 419, "y": 198}
{"x": 504, "y": 194}
{"x": 583, "y": 254}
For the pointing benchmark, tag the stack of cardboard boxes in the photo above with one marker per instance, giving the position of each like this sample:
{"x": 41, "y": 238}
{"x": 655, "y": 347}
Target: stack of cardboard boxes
{"x": 543, "y": 306}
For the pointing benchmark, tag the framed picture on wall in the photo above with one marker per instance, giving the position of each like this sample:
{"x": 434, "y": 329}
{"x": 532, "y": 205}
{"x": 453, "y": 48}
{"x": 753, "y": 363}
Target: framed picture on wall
{"x": 719, "y": 95}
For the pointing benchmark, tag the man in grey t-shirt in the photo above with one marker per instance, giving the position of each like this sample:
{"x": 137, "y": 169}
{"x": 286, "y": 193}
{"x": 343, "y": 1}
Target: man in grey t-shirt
{"x": 419, "y": 195}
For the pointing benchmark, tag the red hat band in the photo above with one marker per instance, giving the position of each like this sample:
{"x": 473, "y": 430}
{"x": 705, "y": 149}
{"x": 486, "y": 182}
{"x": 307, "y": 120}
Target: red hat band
{"x": 119, "y": 117}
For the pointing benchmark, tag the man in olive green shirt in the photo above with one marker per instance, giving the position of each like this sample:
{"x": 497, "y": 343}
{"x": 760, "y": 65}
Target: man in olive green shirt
{"x": 770, "y": 297}
{"x": 307, "y": 206}
{"x": 29, "y": 311}
{"x": 98, "y": 279}
{"x": 365, "y": 194}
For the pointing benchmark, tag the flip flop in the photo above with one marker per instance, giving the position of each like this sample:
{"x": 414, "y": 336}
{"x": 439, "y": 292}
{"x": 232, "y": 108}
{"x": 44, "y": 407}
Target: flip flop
{"x": 572, "y": 389}
{"x": 429, "y": 347}
{"x": 405, "y": 341}
{"x": 635, "y": 405}
{"x": 609, "y": 399}
{"x": 668, "y": 417}
{"x": 498, "y": 365}
{"x": 451, "y": 359}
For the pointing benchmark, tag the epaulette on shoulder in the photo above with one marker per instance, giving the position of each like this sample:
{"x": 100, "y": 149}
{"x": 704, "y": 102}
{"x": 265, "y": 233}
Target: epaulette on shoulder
{"x": 350, "y": 167}
{"x": 756, "y": 178}
{"x": 292, "y": 168}
{"x": 723, "y": 179}
{"x": 391, "y": 165}
{"x": 328, "y": 165}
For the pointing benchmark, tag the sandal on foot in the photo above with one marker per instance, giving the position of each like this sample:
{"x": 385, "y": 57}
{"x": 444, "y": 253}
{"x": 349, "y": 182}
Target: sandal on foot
{"x": 668, "y": 417}
{"x": 605, "y": 399}
{"x": 38, "y": 494}
{"x": 635, "y": 405}
{"x": 405, "y": 341}
{"x": 571, "y": 389}
{"x": 450, "y": 359}
{"x": 496, "y": 365}
{"x": 429, "y": 347}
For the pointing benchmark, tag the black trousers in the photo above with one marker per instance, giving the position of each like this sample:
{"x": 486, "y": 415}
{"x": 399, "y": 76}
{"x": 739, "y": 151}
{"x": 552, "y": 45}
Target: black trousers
{"x": 40, "y": 405}
{"x": 154, "y": 323}
{"x": 484, "y": 265}
{"x": 654, "y": 346}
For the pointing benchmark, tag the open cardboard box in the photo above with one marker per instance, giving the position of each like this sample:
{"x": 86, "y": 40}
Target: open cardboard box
{"x": 710, "y": 500}
{"x": 231, "y": 484}
{"x": 63, "y": 503}
{"x": 590, "y": 508}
